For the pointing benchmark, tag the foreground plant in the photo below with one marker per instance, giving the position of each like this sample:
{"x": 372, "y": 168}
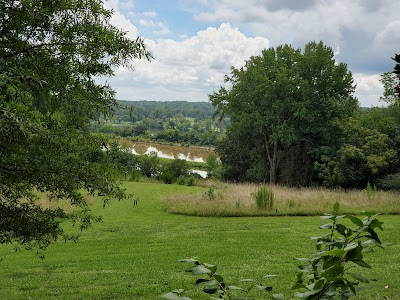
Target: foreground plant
{"x": 215, "y": 284}
{"x": 323, "y": 276}
{"x": 326, "y": 274}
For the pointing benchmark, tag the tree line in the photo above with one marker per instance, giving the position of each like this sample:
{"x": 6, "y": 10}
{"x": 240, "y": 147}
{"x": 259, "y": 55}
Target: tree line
{"x": 188, "y": 123}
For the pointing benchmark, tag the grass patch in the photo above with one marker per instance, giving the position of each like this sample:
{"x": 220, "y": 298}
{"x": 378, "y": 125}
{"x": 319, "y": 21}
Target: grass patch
{"x": 234, "y": 200}
{"x": 134, "y": 253}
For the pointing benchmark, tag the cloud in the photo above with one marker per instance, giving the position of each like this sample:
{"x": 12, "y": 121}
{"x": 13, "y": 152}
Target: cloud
{"x": 149, "y": 14}
{"x": 162, "y": 28}
{"x": 119, "y": 20}
{"x": 189, "y": 69}
{"x": 369, "y": 89}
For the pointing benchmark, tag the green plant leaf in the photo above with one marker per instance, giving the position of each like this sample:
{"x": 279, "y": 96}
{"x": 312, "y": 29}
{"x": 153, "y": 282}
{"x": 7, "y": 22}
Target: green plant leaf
{"x": 189, "y": 260}
{"x": 327, "y": 217}
{"x": 263, "y": 287}
{"x": 362, "y": 263}
{"x": 213, "y": 291}
{"x": 197, "y": 270}
{"x": 232, "y": 287}
{"x": 269, "y": 276}
{"x": 247, "y": 280}
{"x": 173, "y": 296}
{"x": 336, "y": 207}
{"x": 202, "y": 281}
{"x": 326, "y": 226}
{"x": 334, "y": 252}
{"x": 355, "y": 220}
{"x": 218, "y": 278}
{"x": 278, "y": 296}
{"x": 374, "y": 235}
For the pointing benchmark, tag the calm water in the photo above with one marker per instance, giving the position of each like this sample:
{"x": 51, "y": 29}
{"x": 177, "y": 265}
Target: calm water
{"x": 196, "y": 154}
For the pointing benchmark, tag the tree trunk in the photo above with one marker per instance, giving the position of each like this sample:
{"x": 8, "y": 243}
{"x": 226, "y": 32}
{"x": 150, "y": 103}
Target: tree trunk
{"x": 273, "y": 160}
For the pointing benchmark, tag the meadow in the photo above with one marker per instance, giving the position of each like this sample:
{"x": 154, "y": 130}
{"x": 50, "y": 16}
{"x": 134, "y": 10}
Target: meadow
{"x": 134, "y": 252}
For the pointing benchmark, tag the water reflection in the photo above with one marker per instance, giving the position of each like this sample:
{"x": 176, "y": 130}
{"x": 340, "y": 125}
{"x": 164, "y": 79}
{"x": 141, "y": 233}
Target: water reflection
{"x": 184, "y": 156}
{"x": 174, "y": 152}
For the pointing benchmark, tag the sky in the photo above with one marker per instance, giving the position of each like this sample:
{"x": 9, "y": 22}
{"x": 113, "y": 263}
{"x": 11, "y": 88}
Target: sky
{"x": 196, "y": 42}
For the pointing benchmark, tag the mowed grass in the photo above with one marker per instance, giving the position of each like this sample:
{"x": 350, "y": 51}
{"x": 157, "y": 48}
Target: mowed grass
{"x": 134, "y": 253}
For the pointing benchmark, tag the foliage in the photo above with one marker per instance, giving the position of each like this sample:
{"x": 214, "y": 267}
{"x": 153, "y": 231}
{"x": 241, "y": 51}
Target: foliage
{"x": 51, "y": 54}
{"x": 390, "y": 182}
{"x": 167, "y": 178}
{"x": 264, "y": 197}
{"x": 215, "y": 284}
{"x": 390, "y": 85}
{"x": 188, "y": 123}
{"x": 324, "y": 276}
{"x": 213, "y": 166}
{"x": 397, "y": 72}
{"x": 149, "y": 165}
{"x": 285, "y": 105}
{"x": 366, "y": 154}
{"x": 177, "y": 168}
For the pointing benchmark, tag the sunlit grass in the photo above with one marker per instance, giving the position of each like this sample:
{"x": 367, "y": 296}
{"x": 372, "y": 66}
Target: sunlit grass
{"x": 134, "y": 252}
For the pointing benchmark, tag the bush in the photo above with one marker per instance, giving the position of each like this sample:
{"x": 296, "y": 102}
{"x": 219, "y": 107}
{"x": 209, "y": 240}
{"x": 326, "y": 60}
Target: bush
{"x": 186, "y": 180}
{"x": 167, "y": 178}
{"x": 135, "y": 176}
{"x": 264, "y": 198}
{"x": 390, "y": 182}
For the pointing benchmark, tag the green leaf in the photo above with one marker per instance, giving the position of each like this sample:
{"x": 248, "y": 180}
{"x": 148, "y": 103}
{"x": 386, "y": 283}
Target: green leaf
{"x": 362, "y": 263}
{"x": 263, "y": 287}
{"x": 247, "y": 280}
{"x": 232, "y": 287}
{"x": 197, "y": 270}
{"x": 376, "y": 224}
{"x": 218, "y": 278}
{"x": 374, "y": 235}
{"x": 336, "y": 207}
{"x": 298, "y": 286}
{"x": 173, "y": 296}
{"x": 333, "y": 272}
{"x": 355, "y": 220}
{"x": 326, "y": 226}
{"x": 202, "y": 281}
{"x": 327, "y": 217}
{"x": 269, "y": 276}
{"x": 359, "y": 278}
{"x": 334, "y": 252}
{"x": 213, "y": 291}
{"x": 278, "y": 296}
{"x": 189, "y": 260}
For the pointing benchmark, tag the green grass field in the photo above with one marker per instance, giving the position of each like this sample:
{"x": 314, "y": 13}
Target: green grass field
{"x": 134, "y": 253}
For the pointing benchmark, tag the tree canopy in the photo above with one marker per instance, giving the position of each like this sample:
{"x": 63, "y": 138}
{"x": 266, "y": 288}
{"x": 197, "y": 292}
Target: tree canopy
{"x": 51, "y": 53}
{"x": 286, "y": 106}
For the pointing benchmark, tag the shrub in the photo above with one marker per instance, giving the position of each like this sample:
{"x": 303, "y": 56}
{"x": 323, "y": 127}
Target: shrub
{"x": 167, "y": 178}
{"x": 264, "y": 198}
{"x": 390, "y": 182}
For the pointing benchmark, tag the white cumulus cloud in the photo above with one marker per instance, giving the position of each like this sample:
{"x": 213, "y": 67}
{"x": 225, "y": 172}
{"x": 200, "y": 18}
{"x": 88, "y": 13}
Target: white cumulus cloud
{"x": 189, "y": 69}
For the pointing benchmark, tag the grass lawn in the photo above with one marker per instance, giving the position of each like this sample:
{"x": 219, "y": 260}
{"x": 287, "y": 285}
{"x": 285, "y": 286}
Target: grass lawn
{"x": 134, "y": 253}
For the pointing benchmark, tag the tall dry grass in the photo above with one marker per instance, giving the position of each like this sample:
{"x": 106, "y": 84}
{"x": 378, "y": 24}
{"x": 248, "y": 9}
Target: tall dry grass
{"x": 238, "y": 200}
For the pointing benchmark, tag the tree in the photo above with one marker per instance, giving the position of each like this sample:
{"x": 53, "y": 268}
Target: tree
{"x": 291, "y": 103}
{"x": 365, "y": 156}
{"x": 51, "y": 53}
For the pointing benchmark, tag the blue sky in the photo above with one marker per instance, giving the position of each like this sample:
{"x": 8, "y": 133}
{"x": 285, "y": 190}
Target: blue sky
{"x": 195, "y": 42}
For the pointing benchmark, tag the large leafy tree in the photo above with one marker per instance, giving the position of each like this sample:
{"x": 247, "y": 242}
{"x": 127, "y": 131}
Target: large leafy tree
{"x": 291, "y": 103}
{"x": 51, "y": 53}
